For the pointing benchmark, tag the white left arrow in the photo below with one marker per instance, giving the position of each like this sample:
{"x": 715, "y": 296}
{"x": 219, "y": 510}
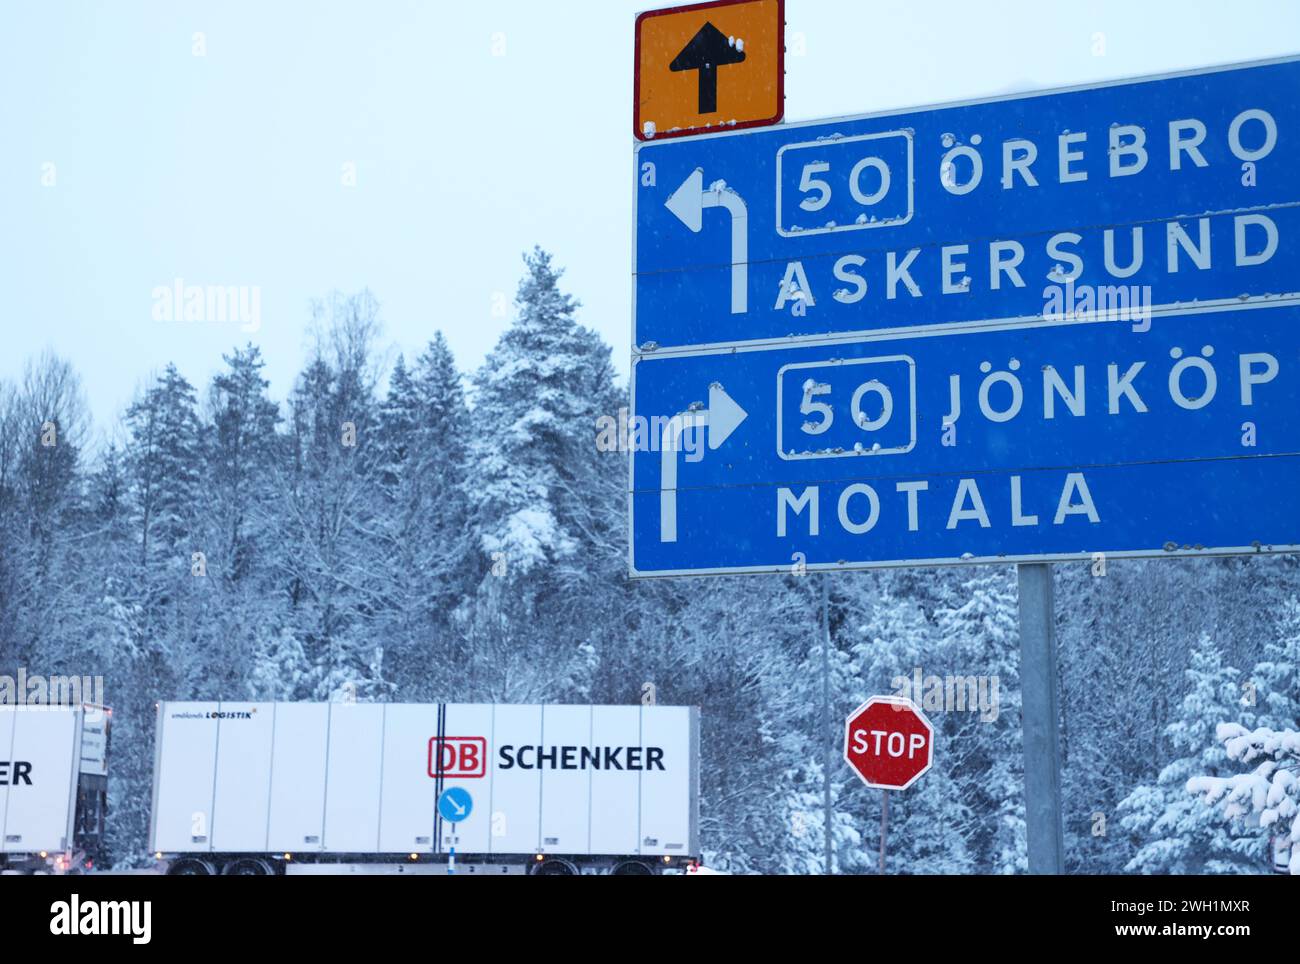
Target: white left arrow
{"x": 688, "y": 203}
{"x": 722, "y": 417}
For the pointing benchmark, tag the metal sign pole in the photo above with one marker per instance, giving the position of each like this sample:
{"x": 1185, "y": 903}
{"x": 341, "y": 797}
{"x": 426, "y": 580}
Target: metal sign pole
{"x": 829, "y": 754}
{"x": 1040, "y": 720}
{"x": 884, "y": 827}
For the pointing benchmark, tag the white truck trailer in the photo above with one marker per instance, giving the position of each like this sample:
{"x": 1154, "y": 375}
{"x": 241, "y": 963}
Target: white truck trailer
{"x": 53, "y": 787}
{"x": 299, "y": 788}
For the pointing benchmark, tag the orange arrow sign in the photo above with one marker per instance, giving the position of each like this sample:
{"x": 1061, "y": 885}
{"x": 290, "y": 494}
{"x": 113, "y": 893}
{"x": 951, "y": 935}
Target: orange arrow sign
{"x": 709, "y": 66}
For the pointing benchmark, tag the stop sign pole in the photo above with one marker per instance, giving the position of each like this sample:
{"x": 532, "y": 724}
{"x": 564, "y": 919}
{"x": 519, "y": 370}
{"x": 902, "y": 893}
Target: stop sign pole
{"x": 889, "y": 743}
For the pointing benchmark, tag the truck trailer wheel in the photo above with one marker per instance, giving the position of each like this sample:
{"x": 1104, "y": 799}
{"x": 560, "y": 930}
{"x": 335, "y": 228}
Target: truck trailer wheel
{"x": 249, "y": 867}
{"x": 555, "y": 867}
{"x": 191, "y": 867}
{"x": 632, "y": 868}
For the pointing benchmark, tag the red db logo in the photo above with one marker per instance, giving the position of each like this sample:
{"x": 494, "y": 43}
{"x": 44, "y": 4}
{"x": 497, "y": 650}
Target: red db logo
{"x": 461, "y": 757}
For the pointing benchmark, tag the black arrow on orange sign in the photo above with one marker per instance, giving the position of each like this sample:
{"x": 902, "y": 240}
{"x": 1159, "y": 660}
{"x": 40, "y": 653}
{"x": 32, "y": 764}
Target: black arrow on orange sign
{"x": 708, "y": 50}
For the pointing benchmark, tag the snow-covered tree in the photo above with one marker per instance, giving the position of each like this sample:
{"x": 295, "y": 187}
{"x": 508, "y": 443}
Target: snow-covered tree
{"x": 536, "y": 401}
{"x": 240, "y": 447}
{"x": 1174, "y": 832}
{"x": 42, "y": 434}
{"x": 234, "y": 528}
{"x": 163, "y": 455}
{"x": 802, "y": 810}
{"x": 1276, "y": 678}
{"x": 422, "y": 540}
{"x": 1269, "y": 795}
{"x": 327, "y": 501}
{"x": 981, "y": 638}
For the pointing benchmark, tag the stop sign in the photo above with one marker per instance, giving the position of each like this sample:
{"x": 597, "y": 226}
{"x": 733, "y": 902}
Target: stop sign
{"x": 889, "y": 742}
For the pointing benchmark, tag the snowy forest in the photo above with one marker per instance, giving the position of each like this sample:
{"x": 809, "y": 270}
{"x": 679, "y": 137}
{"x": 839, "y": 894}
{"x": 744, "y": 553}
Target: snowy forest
{"x": 399, "y": 529}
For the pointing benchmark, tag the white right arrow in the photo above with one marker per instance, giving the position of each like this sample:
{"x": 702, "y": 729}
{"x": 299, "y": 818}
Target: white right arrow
{"x": 688, "y": 203}
{"x": 722, "y": 418}
{"x": 724, "y": 415}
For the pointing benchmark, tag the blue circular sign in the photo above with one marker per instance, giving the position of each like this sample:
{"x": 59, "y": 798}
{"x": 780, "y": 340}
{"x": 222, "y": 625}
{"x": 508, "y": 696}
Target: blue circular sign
{"x": 455, "y": 804}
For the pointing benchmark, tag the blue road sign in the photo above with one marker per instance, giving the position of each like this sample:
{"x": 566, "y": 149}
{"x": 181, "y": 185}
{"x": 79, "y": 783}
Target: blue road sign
{"x": 1011, "y": 441}
{"x": 1030, "y": 328}
{"x": 455, "y": 804}
{"x": 1173, "y": 189}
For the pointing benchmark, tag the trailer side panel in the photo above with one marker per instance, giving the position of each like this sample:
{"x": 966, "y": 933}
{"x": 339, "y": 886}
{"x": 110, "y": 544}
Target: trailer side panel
{"x": 297, "y": 808}
{"x": 44, "y": 758}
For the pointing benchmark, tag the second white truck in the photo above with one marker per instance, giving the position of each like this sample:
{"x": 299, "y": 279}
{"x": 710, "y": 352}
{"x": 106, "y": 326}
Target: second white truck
{"x": 271, "y": 788}
{"x": 53, "y": 787}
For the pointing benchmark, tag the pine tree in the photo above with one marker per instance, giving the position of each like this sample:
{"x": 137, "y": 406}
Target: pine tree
{"x": 806, "y": 743}
{"x": 327, "y": 504}
{"x": 981, "y": 639}
{"x": 280, "y": 670}
{"x": 163, "y": 463}
{"x": 537, "y": 398}
{"x": 441, "y": 459}
{"x": 1096, "y": 647}
{"x": 124, "y": 646}
{"x": 40, "y": 459}
{"x": 804, "y": 812}
{"x": 104, "y": 573}
{"x": 241, "y": 445}
{"x": 10, "y": 514}
{"x": 1174, "y": 832}
{"x": 423, "y": 543}
{"x": 1269, "y": 795}
{"x": 403, "y": 528}
{"x": 1276, "y": 677}
{"x": 399, "y": 421}
{"x": 239, "y": 449}
{"x": 540, "y": 496}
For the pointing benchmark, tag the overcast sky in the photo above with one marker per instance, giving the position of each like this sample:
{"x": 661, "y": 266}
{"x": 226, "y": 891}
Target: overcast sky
{"x": 475, "y": 129}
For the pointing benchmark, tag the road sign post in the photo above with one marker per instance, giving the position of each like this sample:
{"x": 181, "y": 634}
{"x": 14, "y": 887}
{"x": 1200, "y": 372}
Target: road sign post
{"x": 889, "y": 743}
{"x": 1040, "y": 720}
{"x": 884, "y": 827}
{"x": 828, "y": 751}
{"x": 455, "y": 804}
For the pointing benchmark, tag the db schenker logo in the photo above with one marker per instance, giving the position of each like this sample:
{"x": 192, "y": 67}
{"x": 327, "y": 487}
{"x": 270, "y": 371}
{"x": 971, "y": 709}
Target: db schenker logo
{"x": 459, "y": 757}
